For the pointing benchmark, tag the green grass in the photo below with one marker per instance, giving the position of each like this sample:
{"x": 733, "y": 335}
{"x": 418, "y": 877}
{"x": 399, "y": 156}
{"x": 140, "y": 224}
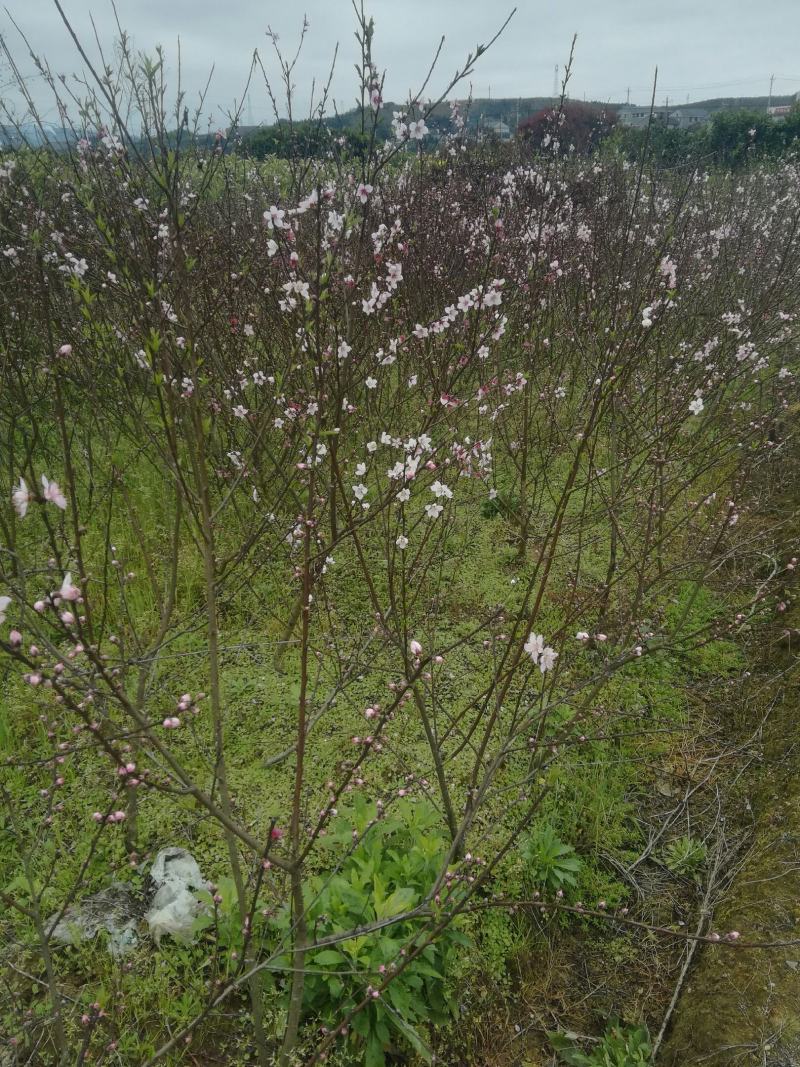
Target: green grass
{"x": 591, "y": 796}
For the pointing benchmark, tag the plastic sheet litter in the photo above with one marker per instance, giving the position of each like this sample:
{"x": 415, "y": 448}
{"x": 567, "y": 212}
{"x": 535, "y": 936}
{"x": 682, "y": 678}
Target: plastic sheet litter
{"x": 167, "y": 902}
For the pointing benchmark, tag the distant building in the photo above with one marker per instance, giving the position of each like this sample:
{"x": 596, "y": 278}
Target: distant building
{"x": 683, "y": 118}
{"x": 496, "y": 128}
{"x": 779, "y": 111}
{"x": 638, "y": 118}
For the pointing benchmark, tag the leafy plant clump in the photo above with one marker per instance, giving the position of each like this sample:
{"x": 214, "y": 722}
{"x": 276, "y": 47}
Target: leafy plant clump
{"x": 685, "y": 855}
{"x": 620, "y": 1046}
{"x": 551, "y": 863}
{"x": 388, "y": 877}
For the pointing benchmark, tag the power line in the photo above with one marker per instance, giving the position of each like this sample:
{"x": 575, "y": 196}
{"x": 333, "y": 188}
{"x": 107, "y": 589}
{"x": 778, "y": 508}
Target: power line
{"x": 709, "y": 85}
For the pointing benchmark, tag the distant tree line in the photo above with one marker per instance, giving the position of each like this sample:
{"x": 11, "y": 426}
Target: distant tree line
{"x": 731, "y": 139}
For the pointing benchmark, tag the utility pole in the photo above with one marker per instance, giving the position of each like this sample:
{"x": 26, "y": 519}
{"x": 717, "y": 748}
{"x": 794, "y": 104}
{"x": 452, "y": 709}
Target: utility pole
{"x": 771, "y": 83}
{"x": 555, "y": 82}
{"x": 628, "y": 96}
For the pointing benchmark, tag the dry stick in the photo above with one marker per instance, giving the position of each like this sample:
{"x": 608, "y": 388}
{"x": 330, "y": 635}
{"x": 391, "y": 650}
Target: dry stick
{"x": 167, "y": 606}
{"x": 298, "y": 902}
{"x": 198, "y": 455}
{"x": 705, "y": 916}
{"x": 436, "y": 753}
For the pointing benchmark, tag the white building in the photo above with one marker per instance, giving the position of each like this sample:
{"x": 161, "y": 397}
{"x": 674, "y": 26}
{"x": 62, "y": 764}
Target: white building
{"x": 495, "y": 128}
{"x": 688, "y": 117}
{"x": 638, "y": 118}
{"x": 683, "y": 118}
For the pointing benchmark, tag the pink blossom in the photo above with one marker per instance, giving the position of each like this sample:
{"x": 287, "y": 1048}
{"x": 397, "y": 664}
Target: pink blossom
{"x": 547, "y": 659}
{"x": 69, "y": 591}
{"x": 53, "y": 494}
{"x": 415, "y": 648}
{"x": 542, "y": 655}
{"x": 21, "y": 497}
{"x": 274, "y": 218}
{"x": 534, "y": 645}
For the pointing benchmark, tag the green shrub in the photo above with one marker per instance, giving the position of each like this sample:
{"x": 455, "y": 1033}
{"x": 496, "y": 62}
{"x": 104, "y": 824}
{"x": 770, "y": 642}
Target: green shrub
{"x": 551, "y": 863}
{"x": 619, "y": 1046}
{"x": 391, "y": 871}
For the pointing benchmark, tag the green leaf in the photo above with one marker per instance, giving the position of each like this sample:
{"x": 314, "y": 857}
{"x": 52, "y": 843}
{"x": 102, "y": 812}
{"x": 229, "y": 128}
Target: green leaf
{"x": 329, "y": 957}
{"x": 361, "y": 1024}
{"x": 412, "y": 1037}
{"x": 399, "y": 998}
{"x": 378, "y": 893}
{"x": 396, "y": 903}
{"x": 374, "y": 1056}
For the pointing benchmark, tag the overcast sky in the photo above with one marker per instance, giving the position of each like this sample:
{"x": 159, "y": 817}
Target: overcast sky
{"x": 703, "y": 48}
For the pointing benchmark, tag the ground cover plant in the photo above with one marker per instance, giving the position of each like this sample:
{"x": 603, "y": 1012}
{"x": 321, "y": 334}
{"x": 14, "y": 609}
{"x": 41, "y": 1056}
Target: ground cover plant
{"x": 368, "y": 523}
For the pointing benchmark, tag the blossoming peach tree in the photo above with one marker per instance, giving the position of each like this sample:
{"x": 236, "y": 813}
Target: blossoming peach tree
{"x": 285, "y": 421}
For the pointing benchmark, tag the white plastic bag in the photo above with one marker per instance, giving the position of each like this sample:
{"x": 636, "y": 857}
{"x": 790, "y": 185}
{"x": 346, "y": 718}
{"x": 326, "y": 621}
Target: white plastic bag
{"x": 175, "y": 906}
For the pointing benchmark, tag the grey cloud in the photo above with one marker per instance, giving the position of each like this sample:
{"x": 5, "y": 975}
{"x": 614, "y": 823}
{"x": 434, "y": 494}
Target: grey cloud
{"x": 702, "y": 49}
